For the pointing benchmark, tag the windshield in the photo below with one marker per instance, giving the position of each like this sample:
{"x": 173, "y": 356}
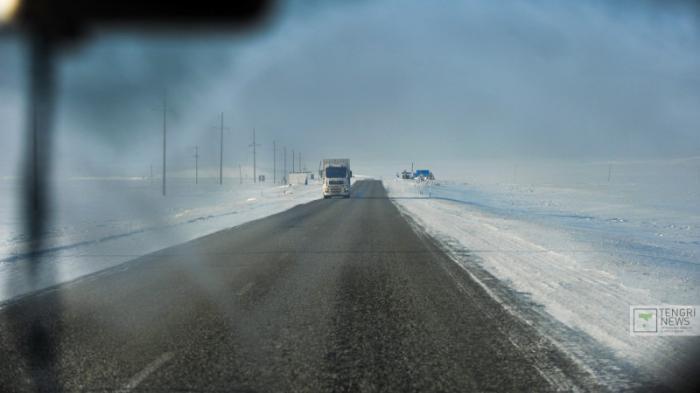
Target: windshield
{"x": 335, "y": 196}
{"x": 336, "y": 171}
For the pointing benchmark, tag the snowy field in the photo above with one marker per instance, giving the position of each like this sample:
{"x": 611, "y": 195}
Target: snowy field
{"x": 577, "y": 253}
{"x": 567, "y": 248}
{"x": 99, "y": 223}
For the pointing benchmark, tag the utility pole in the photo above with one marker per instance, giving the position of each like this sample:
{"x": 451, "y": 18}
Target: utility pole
{"x": 300, "y": 168}
{"x": 221, "y": 148}
{"x": 240, "y": 174}
{"x": 151, "y": 176}
{"x": 196, "y": 165}
{"x": 285, "y": 165}
{"x": 609, "y": 172}
{"x": 274, "y": 162}
{"x": 255, "y": 174}
{"x": 221, "y": 152}
{"x": 165, "y": 109}
{"x": 293, "y": 158}
{"x": 254, "y": 145}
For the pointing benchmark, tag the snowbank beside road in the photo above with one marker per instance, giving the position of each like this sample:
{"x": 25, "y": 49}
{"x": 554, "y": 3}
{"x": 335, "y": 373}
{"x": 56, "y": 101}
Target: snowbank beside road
{"x": 581, "y": 256}
{"x": 100, "y": 223}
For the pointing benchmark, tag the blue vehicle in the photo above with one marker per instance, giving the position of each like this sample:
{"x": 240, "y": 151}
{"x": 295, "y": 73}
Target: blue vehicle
{"x": 423, "y": 174}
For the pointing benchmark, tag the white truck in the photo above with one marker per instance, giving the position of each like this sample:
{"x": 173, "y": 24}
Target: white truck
{"x": 336, "y": 175}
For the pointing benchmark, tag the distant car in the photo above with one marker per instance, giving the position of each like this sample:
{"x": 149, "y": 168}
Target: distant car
{"x": 423, "y": 174}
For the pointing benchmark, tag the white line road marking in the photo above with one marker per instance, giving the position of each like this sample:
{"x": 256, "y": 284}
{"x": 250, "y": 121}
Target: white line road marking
{"x": 143, "y": 374}
{"x": 245, "y": 288}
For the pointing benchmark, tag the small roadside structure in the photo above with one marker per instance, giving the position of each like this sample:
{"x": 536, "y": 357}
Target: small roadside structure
{"x": 299, "y": 178}
{"x": 406, "y": 175}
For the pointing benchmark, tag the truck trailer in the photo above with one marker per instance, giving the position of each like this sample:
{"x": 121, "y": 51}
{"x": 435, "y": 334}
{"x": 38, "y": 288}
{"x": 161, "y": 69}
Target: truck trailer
{"x": 336, "y": 175}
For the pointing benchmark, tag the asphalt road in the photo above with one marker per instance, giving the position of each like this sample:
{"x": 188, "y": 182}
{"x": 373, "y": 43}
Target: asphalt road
{"x": 334, "y": 295}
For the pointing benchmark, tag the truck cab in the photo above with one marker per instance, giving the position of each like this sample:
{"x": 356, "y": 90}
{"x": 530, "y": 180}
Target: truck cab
{"x": 336, "y": 178}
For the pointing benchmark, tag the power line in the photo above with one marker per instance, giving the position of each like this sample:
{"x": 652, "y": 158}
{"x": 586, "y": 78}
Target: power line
{"x": 165, "y": 109}
{"x": 196, "y": 165}
{"x": 221, "y": 152}
{"x": 221, "y": 148}
{"x": 254, "y": 145}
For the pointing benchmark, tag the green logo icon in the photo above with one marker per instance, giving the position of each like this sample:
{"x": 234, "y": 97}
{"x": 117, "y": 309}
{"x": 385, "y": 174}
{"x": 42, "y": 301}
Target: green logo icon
{"x": 644, "y": 320}
{"x": 646, "y": 316}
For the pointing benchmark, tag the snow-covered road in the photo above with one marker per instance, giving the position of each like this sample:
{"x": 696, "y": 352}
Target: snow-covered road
{"x": 100, "y": 223}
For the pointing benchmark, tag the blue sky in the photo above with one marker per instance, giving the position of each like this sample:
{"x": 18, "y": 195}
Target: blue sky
{"x": 387, "y": 79}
